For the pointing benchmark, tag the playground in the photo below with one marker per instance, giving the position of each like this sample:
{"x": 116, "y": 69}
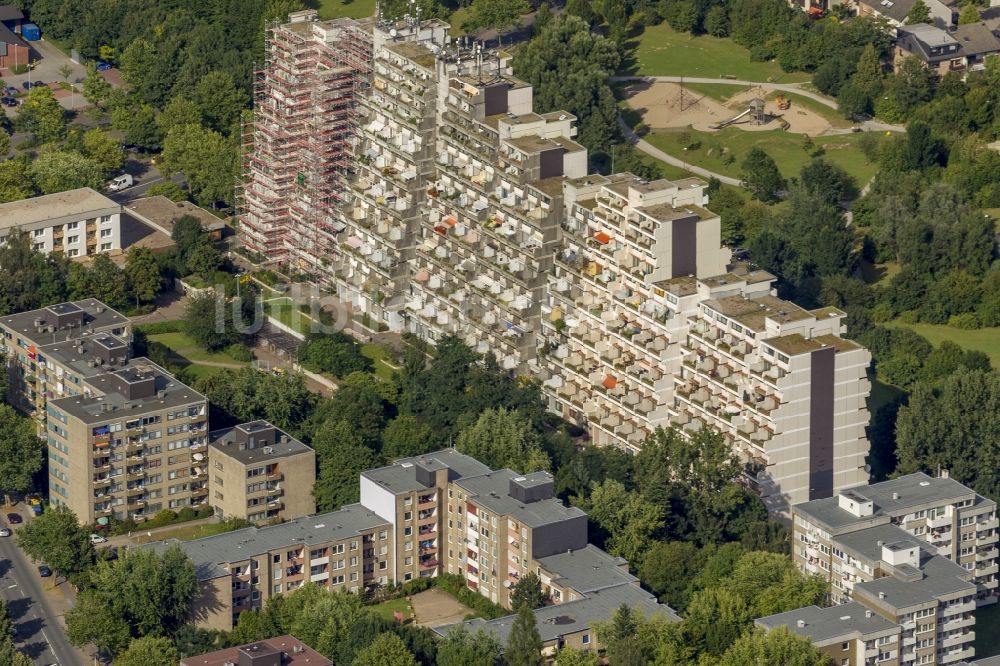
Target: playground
{"x": 666, "y": 106}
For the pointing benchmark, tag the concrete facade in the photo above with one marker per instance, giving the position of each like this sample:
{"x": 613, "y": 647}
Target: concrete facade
{"x": 77, "y": 223}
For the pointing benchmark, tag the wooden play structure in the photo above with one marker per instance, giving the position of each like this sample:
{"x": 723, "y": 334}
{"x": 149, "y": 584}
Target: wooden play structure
{"x": 783, "y": 103}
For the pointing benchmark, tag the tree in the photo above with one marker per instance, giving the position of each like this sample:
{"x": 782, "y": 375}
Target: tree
{"x": 143, "y": 274}
{"x": 827, "y": 182}
{"x": 342, "y": 457}
{"x": 386, "y": 650}
{"x": 668, "y": 568}
{"x": 103, "y": 150}
{"x": 246, "y": 394}
{"x": 573, "y": 657}
{"x": 338, "y": 354}
{"x": 970, "y": 14}
{"x": 407, "y": 436}
{"x": 504, "y": 438}
{"x": 543, "y": 16}
{"x": 41, "y": 115}
{"x": 218, "y": 101}
{"x": 138, "y": 121}
{"x": 499, "y": 15}
{"x": 203, "y": 260}
{"x": 717, "y": 21}
{"x": 22, "y": 453}
{"x": 60, "y": 170}
{"x": 96, "y": 89}
{"x": 524, "y": 646}
{"x": 462, "y": 648}
{"x": 528, "y": 591}
{"x": 760, "y": 176}
{"x": 919, "y": 13}
{"x": 359, "y": 402}
{"x": 963, "y": 411}
{"x": 205, "y": 157}
{"x": 15, "y": 179}
{"x": 107, "y": 282}
{"x": 208, "y": 320}
{"x": 149, "y": 651}
{"x": 179, "y": 111}
{"x": 569, "y": 66}
{"x": 778, "y": 647}
{"x": 56, "y": 538}
{"x": 629, "y": 520}
{"x": 142, "y": 593}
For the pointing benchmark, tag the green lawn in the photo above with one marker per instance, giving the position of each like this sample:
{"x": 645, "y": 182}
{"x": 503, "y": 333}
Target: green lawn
{"x": 663, "y": 52}
{"x": 288, "y": 314}
{"x": 196, "y": 371}
{"x": 786, "y": 149}
{"x": 187, "y": 532}
{"x": 986, "y": 340}
{"x": 188, "y": 350}
{"x": 380, "y": 357}
{"x": 387, "y": 608}
{"x": 878, "y": 273}
{"x": 832, "y": 116}
{"x": 329, "y": 9}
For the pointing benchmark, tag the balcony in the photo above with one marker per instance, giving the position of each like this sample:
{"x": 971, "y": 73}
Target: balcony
{"x": 986, "y": 554}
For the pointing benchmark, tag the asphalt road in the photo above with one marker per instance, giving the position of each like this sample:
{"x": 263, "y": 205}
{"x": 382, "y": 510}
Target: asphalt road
{"x": 142, "y": 183}
{"x": 39, "y": 634}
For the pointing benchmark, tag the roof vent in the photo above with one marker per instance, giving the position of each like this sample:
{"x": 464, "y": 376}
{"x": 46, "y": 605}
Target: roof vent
{"x": 800, "y": 623}
{"x": 881, "y": 595}
{"x": 895, "y": 496}
{"x": 868, "y": 612}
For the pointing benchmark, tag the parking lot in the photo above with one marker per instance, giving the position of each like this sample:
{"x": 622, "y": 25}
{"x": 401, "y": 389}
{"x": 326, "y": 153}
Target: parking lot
{"x": 48, "y": 61}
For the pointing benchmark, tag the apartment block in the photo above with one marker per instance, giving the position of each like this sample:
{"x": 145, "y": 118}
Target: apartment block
{"x": 443, "y": 512}
{"x": 125, "y": 438}
{"x": 850, "y": 634}
{"x": 305, "y": 101}
{"x": 76, "y": 223}
{"x": 240, "y": 570}
{"x": 468, "y": 213}
{"x": 259, "y": 473}
{"x": 916, "y": 550}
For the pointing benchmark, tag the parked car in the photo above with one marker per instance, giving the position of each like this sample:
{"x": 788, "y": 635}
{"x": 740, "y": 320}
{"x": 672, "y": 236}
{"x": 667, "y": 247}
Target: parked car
{"x": 120, "y": 183}
{"x": 28, "y": 85}
{"x": 103, "y": 66}
{"x": 97, "y": 538}
{"x": 4, "y": 531}
{"x": 8, "y": 101}
{"x": 14, "y": 519}
{"x": 11, "y": 90}
{"x": 44, "y": 571}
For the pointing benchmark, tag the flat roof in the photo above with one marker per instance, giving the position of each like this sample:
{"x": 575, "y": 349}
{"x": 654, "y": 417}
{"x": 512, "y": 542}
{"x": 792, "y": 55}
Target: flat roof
{"x": 833, "y": 623}
{"x": 587, "y": 569}
{"x": 401, "y": 476}
{"x": 294, "y": 651}
{"x": 418, "y": 53}
{"x": 573, "y": 616}
{"x": 97, "y": 317}
{"x": 867, "y": 544}
{"x": 894, "y": 497}
{"x": 684, "y": 285}
{"x": 169, "y": 392}
{"x": 162, "y": 211}
{"x": 211, "y": 554}
{"x": 491, "y": 491}
{"x": 80, "y": 201}
{"x": 284, "y": 445}
{"x": 753, "y": 312}
{"x": 941, "y": 577}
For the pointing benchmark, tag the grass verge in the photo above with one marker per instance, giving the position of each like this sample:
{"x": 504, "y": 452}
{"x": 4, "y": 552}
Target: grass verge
{"x": 387, "y": 609}
{"x": 188, "y": 350}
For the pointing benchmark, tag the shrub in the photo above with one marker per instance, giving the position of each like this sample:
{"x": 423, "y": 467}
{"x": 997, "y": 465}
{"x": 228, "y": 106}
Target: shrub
{"x": 159, "y": 327}
{"x": 966, "y": 320}
{"x": 883, "y": 312}
{"x": 239, "y": 352}
{"x": 455, "y": 586}
{"x": 909, "y": 317}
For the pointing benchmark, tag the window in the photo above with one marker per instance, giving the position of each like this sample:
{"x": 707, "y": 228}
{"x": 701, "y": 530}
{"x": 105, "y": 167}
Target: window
{"x": 845, "y": 646}
{"x": 105, "y": 233}
{"x": 585, "y": 639}
{"x": 407, "y": 531}
{"x": 70, "y": 240}
{"x": 105, "y": 247}
{"x": 73, "y": 253}
{"x": 39, "y": 233}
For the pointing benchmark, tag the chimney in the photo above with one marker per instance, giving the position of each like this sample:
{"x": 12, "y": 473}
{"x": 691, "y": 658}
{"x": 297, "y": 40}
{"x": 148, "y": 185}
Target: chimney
{"x": 868, "y": 613}
{"x": 895, "y": 496}
{"x": 881, "y": 595}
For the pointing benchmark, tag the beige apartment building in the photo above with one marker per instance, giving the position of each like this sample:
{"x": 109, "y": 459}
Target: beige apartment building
{"x": 76, "y": 223}
{"x": 419, "y": 517}
{"x": 259, "y": 473}
{"x": 240, "y": 570}
{"x": 467, "y": 213}
{"x": 918, "y": 551}
{"x": 122, "y": 433}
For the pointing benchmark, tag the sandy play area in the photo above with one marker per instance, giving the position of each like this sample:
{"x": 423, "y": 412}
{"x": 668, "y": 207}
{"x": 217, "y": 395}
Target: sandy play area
{"x": 666, "y": 106}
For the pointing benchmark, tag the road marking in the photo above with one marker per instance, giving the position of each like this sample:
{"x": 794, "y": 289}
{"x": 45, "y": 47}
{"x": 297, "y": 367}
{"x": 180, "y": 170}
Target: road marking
{"x": 11, "y": 587}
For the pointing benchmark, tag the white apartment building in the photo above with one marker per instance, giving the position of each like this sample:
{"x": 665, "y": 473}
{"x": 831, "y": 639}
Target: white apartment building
{"x": 917, "y": 550}
{"x": 77, "y": 223}
{"x": 464, "y": 212}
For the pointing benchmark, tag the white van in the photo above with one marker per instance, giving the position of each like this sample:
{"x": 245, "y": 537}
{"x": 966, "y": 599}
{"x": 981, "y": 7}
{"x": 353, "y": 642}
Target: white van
{"x": 120, "y": 183}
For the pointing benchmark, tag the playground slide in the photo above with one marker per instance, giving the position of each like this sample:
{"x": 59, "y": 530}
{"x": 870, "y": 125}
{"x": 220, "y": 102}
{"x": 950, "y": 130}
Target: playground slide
{"x": 730, "y": 121}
